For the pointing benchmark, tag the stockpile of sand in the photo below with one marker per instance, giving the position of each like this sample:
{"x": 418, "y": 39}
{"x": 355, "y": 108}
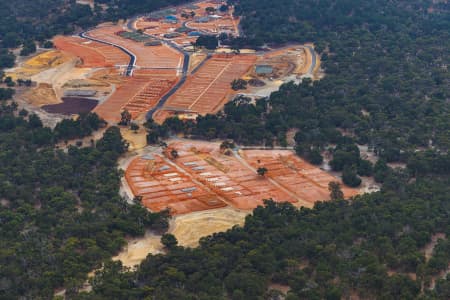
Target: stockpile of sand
{"x": 38, "y": 64}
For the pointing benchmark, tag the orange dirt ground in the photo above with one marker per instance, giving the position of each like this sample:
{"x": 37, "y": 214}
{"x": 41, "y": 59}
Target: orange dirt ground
{"x": 138, "y": 94}
{"x": 146, "y": 56}
{"x": 226, "y": 175}
{"x": 209, "y": 88}
{"x": 91, "y": 53}
{"x": 162, "y": 185}
{"x": 226, "y": 179}
{"x": 305, "y": 180}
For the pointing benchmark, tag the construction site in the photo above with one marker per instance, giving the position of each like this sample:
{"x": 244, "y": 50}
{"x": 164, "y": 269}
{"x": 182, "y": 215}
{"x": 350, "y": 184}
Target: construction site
{"x": 201, "y": 176}
{"x": 149, "y": 67}
{"x": 209, "y": 88}
{"x": 208, "y": 188}
{"x": 184, "y": 24}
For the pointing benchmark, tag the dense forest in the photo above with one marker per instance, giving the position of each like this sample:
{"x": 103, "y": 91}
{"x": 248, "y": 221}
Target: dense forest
{"x": 60, "y": 210}
{"x": 386, "y": 86}
{"x": 370, "y": 246}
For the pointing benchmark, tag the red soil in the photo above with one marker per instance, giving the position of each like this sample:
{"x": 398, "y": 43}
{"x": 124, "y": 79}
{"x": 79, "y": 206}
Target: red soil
{"x": 305, "y": 180}
{"x": 91, "y": 53}
{"x": 163, "y": 186}
{"x": 146, "y": 56}
{"x": 227, "y": 176}
{"x": 138, "y": 94}
{"x": 209, "y": 88}
{"x": 220, "y": 177}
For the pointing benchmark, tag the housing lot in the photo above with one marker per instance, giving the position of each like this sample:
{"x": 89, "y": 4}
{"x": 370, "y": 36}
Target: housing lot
{"x": 207, "y": 90}
{"x": 202, "y": 177}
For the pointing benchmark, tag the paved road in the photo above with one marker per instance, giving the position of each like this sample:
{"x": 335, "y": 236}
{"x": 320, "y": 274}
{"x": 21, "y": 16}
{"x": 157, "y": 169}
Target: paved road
{"x": 186, "y": 57}
{"x": 313, "y": 60}
{"x": 131, "y": 64}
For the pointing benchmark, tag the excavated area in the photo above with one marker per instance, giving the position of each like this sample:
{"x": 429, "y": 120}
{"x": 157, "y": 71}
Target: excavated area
{"x": 309, "y": 182}
{"x": 208, "y": 89}
{"x": 152, "y": 57}
{"x": 137, "y": 94}
{"x": 162, "y": 185}
{"x": 91, "y": 53}
{"x": 203, "y": 177}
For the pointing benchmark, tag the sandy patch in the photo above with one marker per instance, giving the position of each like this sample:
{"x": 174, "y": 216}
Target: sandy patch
{"x": 196, "y": 59}
{"x": 59, "y": 75}
{"x": 39, "y": 63}
{"x": 43, "y": 94}
{"x": 137, "y": 140}
{"x": 138, "y": 249}
{"x": 189, "y": 228}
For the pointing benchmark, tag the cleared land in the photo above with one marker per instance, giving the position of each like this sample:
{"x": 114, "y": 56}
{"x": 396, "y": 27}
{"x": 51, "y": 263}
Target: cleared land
{"x": 38, "y": 64}
{"x": 203, "y": 178}
{"x": 157, "y": 67}
{"x": 226, "y": 175}
{"x": 138, "y": 249}
{"x": 92, "y": 54}
{"x": 137, "y": 94}
{"x": 209, "y": 88}
{"x": 162, "y": 185}
{"x": 188, "y": 229}
{"x": 153, "y": 57}
{"x": 305, "y": 180}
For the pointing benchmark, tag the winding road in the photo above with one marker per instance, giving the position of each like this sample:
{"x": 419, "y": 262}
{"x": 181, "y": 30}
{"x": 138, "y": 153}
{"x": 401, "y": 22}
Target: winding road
{"x": 313, "y": 60}
{"x": 131, "y": 64}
